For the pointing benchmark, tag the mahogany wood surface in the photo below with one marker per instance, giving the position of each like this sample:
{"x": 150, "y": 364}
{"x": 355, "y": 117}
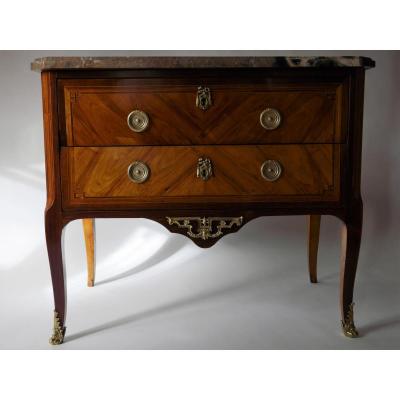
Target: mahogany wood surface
{"x": 318, "y": 145}
{"x": 314, "y": 222}
{"x": 353, "y": 217}
{"x": 89, "y": 232}
{"x": 96, "y": 115}
{"x": 351, "y": 240}
{"x": 54, "y": 220}
{"x": 99, "y": 174}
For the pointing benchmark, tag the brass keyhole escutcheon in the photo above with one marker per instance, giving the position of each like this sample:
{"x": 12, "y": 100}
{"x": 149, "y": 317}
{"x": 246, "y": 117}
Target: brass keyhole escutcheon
{"x": 271, "y": 170}
{"x": 138, "y": 121}
{"x": 203, "y": 98}
{"x": 270, "y": 119}
{"x": 204, "y": 169}
{"x": 138, "y": 172}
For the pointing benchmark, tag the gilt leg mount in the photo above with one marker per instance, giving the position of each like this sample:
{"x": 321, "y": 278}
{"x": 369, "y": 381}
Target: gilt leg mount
{"x": 348, "y": 326}
{"x": 58, "y": 331}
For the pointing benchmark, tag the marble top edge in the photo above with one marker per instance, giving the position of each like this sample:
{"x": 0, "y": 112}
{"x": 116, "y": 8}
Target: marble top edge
{"x": 71, "y": 63}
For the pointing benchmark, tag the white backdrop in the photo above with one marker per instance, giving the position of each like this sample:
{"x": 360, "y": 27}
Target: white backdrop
{"x": 158, "y": 290}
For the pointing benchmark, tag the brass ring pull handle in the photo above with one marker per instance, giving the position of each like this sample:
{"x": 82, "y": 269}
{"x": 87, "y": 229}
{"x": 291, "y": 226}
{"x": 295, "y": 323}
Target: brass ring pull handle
{"x": 203, "y": 98}
{"x": 204, "y": 169}
{"x": 271, "y": 170}
{"x": 138, "y": 121}
{"x": 270, "y": 119}
{"x": 138, "y": 172}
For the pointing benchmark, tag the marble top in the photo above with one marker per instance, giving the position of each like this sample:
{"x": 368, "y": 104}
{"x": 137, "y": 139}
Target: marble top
{"x": 68, "y": 63}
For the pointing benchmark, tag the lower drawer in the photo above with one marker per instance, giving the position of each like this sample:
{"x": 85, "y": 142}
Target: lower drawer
{"x": 131, "y": 176}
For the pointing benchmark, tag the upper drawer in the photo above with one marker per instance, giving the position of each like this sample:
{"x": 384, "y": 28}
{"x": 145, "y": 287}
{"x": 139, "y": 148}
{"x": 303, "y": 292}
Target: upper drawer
{"x": 174, "y": 114}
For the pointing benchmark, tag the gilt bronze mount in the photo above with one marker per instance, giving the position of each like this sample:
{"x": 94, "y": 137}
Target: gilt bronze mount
{"x": 207, "y": 227}
{"x": 138, "y": 121}
{"x": 204, "y": 169}
{"x": 203, "y": 98}
{"x": 58, "y": 331}
{"x": 348, "y": 326}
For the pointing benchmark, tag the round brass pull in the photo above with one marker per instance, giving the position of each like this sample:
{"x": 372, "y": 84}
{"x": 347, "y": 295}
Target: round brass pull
{"x": 271, "y": 170}
{"x": 138, "y": 121}
{"x": 138, "y": 172}
{"x": 270, "y": 119}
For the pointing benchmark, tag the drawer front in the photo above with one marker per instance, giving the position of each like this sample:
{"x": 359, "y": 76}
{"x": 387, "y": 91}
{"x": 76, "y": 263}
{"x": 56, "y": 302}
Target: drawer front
{"x": 292, "y": 173}
{"x": 98, "y": 115}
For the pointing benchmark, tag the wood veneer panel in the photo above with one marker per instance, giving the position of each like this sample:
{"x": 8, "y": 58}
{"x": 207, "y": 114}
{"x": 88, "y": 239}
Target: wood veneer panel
{"x": 98, "y": 175}
{"x": 97, "y": 115}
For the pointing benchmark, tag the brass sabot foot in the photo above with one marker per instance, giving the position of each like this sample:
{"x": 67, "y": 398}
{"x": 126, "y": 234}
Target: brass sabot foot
{"x": 58, "y": 331}
{"x": 348, "y": 327}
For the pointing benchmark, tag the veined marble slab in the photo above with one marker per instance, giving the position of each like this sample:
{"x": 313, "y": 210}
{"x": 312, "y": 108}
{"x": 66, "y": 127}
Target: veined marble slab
{"x": 66, "y": 63}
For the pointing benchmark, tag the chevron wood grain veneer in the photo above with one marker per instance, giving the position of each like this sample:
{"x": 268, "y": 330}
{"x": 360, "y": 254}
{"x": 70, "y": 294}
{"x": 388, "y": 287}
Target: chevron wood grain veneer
{"x": 203, "y": 145}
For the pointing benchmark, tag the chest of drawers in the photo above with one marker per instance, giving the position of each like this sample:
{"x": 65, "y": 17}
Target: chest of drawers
{"x": 203, "y": 146}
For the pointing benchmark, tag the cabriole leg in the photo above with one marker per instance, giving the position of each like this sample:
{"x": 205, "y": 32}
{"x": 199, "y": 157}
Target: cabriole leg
{"x": 351, "y": 239}
{"x": 54, "y": 228}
